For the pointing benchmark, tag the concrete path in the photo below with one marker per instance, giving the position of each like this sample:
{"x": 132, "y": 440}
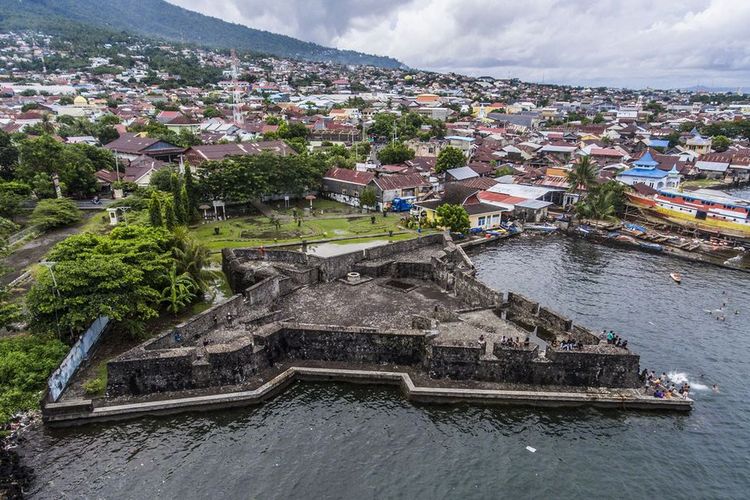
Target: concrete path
{"x": 33, "y": 251}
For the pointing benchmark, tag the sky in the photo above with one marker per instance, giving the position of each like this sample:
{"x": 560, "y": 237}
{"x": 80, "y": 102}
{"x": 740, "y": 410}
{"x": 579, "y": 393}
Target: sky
{"x": 623, "y": 43}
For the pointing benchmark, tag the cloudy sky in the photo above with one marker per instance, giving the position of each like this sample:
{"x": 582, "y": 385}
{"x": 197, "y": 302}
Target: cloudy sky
{"x": 636, "y": 43}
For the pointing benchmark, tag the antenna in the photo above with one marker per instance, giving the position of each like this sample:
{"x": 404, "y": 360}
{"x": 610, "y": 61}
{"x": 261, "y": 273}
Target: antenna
{"x": 236, "y": 94}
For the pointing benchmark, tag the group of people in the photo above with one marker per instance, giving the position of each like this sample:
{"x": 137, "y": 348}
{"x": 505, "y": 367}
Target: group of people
{"x": 570, "y": 344}
{"x": 613, "y": 339}
{"x": 662, "y": 387}
{"x": 514, "y": 342}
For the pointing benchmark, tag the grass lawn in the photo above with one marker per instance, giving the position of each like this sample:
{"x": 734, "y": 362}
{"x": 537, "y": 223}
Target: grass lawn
{"x": 328, "y": 207}
{"x": 258, "y": 230}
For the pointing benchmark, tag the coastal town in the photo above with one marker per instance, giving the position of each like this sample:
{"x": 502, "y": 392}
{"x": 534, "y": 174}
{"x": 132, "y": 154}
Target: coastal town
{"x": 185, "y": 227}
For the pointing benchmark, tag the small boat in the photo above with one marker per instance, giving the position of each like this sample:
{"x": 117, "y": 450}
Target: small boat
{"x": 547, "y": 228}
{"x": 676, "y": 277}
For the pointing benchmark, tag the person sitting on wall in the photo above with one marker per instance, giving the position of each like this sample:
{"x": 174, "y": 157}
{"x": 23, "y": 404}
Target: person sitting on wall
{"x": 659, "y": 394}
{"x": 624, "y": 344}
{"x": 482, "y": 342}
{"x": 526, "y": 342}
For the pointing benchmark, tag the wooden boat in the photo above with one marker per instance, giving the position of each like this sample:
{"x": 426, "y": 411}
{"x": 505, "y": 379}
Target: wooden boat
{"x": 676, "y": 277}
{"x": 547, "y": 228}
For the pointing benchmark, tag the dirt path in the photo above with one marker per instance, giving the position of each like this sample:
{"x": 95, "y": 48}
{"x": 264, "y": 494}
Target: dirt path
{"x": 33, "y": 251}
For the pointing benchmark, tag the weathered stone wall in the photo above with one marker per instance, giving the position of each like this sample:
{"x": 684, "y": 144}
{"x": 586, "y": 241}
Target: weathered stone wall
{"x": 579, "y": 368}
{"x": 583, "y": 335}
{"x": 520, "y": 303}
{"x": 374, "y": 269}
{"x": 513, "y": 365}
{"x": 360, "y": 345}
{"x": 199, "y": 324}
{"x": 474, "y": 292}
{"x": 443, "y": 272}
{"x": 415, "y": 270}
{"x": 553, "y": 321}
{"x": 264, "y": 292}
{"x": 172, "y": 371}
{"x": 455, "y": 362}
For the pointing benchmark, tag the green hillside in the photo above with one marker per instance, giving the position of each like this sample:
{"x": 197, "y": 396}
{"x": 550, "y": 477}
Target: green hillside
{"x": 159, "y": 19}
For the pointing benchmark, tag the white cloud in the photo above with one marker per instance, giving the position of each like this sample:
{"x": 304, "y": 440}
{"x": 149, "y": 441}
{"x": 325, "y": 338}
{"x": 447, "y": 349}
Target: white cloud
{"x": 615, "y": 42}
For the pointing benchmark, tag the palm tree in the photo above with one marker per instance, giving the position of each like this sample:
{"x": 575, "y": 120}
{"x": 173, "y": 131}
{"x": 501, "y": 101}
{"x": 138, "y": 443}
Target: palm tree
{"x": 192, "y": 259}
{"x": 600, "y": 205}
{"x": 583, "y": 176}
{"x": 179, "y": 292}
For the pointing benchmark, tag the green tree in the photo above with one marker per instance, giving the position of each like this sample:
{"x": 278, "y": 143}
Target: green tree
{"x": 583, "y": 175}
{"x": 154, "y": 211}
{"x": 11, "y": 195}
{"x": 394, "y": 153}
{"x": 605, "y": 202}
{"x": 170, "y": 219}
{"x": 55, "y": 212}
{"x": 10, "y": 312}
{"x": 179, "y": 292}
{"x": 368, "y": 198}
{"x": 86, "y": 289}
{"x": 192, "y": 258}
{"x": 8, "y": 156}
{"x": 179, "y": 206}
{"x": 449, "y": 158}
{"x": 212, "y": 112}
{"x": 192, "y": 194}
{"x": 454, "y": 217}
{"x": 720, "y": 143}
{"x": 291, "y": 130}
{"x": 161, "y": 179}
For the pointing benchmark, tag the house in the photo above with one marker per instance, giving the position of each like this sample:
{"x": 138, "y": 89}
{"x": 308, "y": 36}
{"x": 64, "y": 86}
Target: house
{"x": 138, "y": 171}
{"x": 411, "y": 187}
{"x": 345, "y": 185}
{"x": 697, "y": 143}
{"x": 646, "y": 172}
{"x": 130, "y": 146}
{"x": 481, "y": 215}
{"x": 712, "y": 169}
{"x": 460, "y": 174}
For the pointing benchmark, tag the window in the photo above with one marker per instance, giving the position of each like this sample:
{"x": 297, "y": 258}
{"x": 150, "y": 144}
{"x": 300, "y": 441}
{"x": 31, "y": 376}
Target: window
{"x": 482, "y": 221}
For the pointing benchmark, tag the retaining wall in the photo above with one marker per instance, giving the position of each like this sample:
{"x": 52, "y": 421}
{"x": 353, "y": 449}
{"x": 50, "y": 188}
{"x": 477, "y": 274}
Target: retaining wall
{"x": 198, "y": 325}
{"x": 474, "y": 292}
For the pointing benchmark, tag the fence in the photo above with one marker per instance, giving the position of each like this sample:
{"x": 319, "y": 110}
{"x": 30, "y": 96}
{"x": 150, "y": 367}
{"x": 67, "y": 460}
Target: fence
{"x": 23, "y": 234}
{"x": 59, "y": 379}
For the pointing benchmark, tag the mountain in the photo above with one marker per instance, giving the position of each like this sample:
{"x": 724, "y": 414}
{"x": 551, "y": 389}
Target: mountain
{"x": 160, "y": 19}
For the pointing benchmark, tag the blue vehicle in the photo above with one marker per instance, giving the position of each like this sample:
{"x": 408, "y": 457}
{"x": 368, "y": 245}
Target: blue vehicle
{"x": 400, "y": 205}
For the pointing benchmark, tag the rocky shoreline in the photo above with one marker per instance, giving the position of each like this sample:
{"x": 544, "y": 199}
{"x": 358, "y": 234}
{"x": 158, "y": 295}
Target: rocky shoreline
{"x": 15, "y": 478}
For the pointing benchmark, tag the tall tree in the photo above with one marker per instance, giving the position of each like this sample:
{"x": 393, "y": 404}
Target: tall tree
{"x": 179, "y": 292}
{"x": 395, "y": 152}
{"x": 449, "y": 158}
{"x": 192, "y": 195}
{"x": 8, "y": 156}
{"x": 454, "y": 217}
{"x": 154, "y": 211}
{"x": 583, "y": 175}
{"x": 179, "y": 207}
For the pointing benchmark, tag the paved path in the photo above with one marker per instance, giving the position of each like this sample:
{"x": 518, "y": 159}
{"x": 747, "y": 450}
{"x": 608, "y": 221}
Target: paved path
{"x": 33, "y": 251}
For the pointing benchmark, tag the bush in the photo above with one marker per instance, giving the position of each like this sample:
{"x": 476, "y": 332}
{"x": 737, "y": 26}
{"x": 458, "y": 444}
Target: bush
{"x": 25, "y": 363}
{"x": 97, "y": 385}
{"x": 55, "y": 212}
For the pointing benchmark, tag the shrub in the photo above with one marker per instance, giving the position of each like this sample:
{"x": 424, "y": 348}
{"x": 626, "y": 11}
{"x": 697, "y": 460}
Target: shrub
{"x": 55, "y": 212}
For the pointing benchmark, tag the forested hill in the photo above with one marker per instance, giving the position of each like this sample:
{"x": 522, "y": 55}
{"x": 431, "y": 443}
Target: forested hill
{"x": 159, "y": 19}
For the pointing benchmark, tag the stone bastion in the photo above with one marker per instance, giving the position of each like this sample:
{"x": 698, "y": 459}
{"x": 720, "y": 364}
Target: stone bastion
{"x": 414, "y": 304}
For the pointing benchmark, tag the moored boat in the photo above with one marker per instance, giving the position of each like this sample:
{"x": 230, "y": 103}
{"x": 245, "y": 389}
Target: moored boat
{"x": 547, "y": 228}
{"x": 676, "y": 277}
{"x": 705, "y": 209}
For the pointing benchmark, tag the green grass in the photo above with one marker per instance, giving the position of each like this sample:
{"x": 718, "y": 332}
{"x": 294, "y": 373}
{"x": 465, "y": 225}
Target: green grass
{"x": 258, "y": 230}
{"x": 329, "y": 207}
{"x": 97, "y": 385}
{"x": 25, "y": 363}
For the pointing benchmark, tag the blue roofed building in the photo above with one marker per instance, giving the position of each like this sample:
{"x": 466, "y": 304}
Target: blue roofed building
{"x": 647, "y": 173}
